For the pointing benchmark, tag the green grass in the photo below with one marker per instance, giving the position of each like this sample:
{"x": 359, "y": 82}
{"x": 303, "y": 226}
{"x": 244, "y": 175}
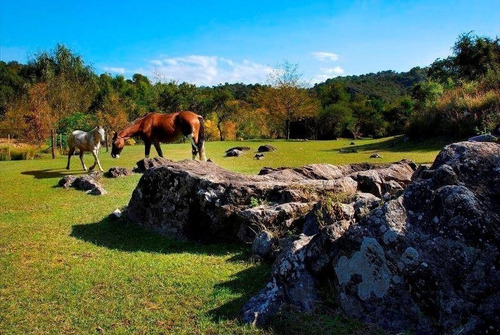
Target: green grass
{"x": 66, "y": 268}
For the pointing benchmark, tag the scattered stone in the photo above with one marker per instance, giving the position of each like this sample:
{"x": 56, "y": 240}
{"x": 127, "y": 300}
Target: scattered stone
{"x": 375, "y": 155}
{"x": 98, "y": 190}
{"x": 66, "y": 181}
{"x": 116, "y": 214}
{"x": 259, "y": 156}
{"x": 266, "y": 148}
{"x": 234, "y": 153}
{"x": 96, "y": 175}
{"x": 239, "y": 148}
{"x": 88, "y": 183}
{"x": 85, "y": 183}
{"x": 117, "y": 171}
{"x": 352, "y": 143}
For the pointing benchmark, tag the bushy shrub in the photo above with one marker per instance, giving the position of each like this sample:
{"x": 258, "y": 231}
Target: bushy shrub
{"x": 19, "y": 152}
{"x": 130, "y": 141}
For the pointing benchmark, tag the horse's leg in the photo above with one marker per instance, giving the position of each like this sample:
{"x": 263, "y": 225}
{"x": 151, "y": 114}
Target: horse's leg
{"x": 201, "y": 151}
{"x": 194, "y": 150}
{"x": 197, "y": 147}
{"x": 95, "y": 153}
{"x": 97, "y": 159}
{"x": 147, "y": 148}
{"x": 158, "y": 149}
{"x": 70, "y": 153}
{"x": 81, "y": 159}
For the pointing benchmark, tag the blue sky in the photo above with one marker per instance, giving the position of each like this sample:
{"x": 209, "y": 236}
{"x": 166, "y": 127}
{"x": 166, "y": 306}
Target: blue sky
{"x": 212, "y": 42}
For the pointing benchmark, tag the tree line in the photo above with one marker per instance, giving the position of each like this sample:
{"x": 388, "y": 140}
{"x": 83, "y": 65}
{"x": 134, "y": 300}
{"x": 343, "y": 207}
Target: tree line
{"x": 456, "y": 96}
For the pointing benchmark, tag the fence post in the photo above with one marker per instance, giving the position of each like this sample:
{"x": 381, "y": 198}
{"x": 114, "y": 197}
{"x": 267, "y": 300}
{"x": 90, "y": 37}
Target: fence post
{"x": 54, "y": 144}
{"x": 8, "y": 146}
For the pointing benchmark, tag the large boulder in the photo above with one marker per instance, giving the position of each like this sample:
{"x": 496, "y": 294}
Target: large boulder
{"x": 426, "y": 261}
{"x": 206, "y": 202}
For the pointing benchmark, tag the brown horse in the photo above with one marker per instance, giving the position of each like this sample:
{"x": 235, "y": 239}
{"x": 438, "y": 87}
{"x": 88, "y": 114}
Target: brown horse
{"x": 154, "y": 128}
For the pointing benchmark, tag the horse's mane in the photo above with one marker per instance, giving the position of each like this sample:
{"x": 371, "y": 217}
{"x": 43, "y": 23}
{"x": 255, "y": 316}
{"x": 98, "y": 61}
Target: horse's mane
{"x": 96, "y": 134}
{"x": 139, "y": 119}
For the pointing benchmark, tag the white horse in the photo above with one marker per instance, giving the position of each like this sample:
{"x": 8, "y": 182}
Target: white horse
{"x": 84, "y": 141}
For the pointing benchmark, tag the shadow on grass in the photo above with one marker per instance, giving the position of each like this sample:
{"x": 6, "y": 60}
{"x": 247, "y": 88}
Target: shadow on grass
{"x": 398, "y": 144}
{"x": 51, "y": 173}
{"x": 244, "y": 284}
{"x": 114, "y": 234}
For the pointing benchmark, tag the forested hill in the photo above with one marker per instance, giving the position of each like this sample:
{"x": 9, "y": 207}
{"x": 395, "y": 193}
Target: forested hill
{"x": 456, "y": 96}
{"x": 385, "y": 85}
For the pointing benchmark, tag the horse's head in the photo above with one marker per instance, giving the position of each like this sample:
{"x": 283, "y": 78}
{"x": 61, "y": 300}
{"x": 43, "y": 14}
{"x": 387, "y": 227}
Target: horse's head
{"x": 117, "y": 145}
{"x": 102, "y": 135}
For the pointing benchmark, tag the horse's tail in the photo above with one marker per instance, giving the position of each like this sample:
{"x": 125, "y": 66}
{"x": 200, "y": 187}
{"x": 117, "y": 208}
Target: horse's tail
{"x": 201, "y": 139}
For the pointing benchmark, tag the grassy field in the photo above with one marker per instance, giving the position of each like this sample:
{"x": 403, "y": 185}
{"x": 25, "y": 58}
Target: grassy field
{"x": 66, "y": 268}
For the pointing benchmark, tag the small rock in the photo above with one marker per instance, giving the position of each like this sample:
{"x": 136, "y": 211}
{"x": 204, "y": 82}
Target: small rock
{"x": 239, "y": 148}
{"x": 233, "y": 153}
{"x": 375, "y": 155}
{"x": 117, "y": 213}
{"x": 117, "y": 171}
{"x": 66, "y": 181}
{"x": 259, "y": 156}
{"x": 266, "y": 148}
{"x": 98, "y": 190}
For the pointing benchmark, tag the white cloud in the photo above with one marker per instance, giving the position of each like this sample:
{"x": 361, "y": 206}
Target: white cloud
{"x": 207, "y": 70}
{"x": 323, "y": 56}
{"x": 319, "y": 78}
{"x": 337, "y": 70}
{"x": 119, "y": 70}
{"x": 327, "y": 73}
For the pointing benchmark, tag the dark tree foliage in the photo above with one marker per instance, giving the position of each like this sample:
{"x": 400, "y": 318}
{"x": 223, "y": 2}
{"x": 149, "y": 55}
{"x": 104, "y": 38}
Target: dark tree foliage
{"x": 462, "y": 96}
{"x": 12, "y": 84}
{"x": 473, "y": 57}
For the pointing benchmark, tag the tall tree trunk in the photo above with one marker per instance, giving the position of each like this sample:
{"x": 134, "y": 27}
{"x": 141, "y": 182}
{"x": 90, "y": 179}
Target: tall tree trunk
{"x": 220, "y": 130}
{"x": 287, "y": 124}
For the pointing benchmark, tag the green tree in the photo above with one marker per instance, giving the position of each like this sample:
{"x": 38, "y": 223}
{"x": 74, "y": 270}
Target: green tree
{"x": 12, "y": 85}
{"x": 286, "y": 98}
{"x": 223, "y": 107}
{"x": 427, "y": 94}
{"x": 472, "y": 59}
{"x": 335, "y": 119}
{"x": 69, "y": 84}
{"x": 169, "y": 98}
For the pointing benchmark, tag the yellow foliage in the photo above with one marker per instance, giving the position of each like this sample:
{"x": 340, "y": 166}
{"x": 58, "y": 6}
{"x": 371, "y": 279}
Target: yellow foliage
{"x": 229, "y": 130}
{"x": 211, "y": 132}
